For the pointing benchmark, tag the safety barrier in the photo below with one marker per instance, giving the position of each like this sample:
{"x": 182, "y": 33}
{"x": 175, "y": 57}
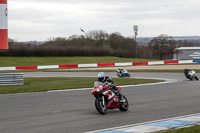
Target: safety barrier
{"x": 11, "y": 79}
{"x": 101, "y": 65}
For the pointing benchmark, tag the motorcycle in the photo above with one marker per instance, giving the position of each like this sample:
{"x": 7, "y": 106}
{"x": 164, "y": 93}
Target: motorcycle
{"x": 191, "y": 75}
{"x": 107, "y": 99}
{"x": 123, "y": 73}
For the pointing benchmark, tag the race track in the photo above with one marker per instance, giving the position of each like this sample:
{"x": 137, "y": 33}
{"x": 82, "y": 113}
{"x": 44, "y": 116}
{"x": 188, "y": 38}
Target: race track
{"x": 74, "y": 111}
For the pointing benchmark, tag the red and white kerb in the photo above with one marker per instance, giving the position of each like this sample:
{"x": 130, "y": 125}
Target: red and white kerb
{"x": 3, "y": 25}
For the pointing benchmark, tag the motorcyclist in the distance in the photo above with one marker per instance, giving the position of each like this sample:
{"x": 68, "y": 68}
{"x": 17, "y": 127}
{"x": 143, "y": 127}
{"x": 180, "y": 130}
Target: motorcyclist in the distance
{"x": 120, "y": 70}
{"x": 186, "y": 71}
{"x": 106, "y": 79}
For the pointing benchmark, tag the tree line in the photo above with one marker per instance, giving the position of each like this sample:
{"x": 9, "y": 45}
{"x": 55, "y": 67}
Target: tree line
{"x": 98, "y": 43}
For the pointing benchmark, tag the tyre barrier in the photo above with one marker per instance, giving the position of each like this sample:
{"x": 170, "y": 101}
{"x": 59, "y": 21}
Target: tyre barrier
{"x": 11, "y": 79}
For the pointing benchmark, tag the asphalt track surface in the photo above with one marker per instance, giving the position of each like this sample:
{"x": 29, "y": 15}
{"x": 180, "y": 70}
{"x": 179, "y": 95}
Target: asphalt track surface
{"x": 74, "y": 111}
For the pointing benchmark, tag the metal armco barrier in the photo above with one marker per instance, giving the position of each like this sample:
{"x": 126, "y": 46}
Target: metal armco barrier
{"x": 11, "y": 79}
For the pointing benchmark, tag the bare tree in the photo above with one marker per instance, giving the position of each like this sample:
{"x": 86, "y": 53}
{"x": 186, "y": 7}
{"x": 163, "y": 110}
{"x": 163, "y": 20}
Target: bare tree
{"x": 162, "y": 47}
{"x": 99, "y": 37}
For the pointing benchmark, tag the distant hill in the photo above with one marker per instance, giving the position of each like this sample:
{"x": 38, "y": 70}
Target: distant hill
{"x": 33, "y": 42}
{"x": 186, "y": 37}
{"x": 141, "y": 40}
{"x": 146, "y": 40}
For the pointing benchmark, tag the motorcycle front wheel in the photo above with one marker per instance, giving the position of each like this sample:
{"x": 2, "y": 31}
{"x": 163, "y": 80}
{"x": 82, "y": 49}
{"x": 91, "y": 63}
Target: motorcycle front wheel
{"x": 124, "y": 106}
{"x": 100, "y": 106}
{"x": 196, "y": 78}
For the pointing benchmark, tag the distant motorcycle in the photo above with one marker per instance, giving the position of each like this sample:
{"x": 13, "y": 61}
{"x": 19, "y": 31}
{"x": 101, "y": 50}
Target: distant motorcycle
{"x": 123, "y": 73}
{"x": 107, "y": 99}
{"x": 190, "y": 74}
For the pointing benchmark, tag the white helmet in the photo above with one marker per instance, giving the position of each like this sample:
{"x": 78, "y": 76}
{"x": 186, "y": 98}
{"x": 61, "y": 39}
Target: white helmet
{"x": 101, "y": 76}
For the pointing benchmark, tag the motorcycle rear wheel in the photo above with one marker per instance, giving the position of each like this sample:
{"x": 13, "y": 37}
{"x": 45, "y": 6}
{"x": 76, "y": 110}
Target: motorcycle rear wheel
{"x": 196, "y": 78}
{"x": 102, "y": 109}
{"x": 124, "y": 106}
{"x": 129, "y": 75}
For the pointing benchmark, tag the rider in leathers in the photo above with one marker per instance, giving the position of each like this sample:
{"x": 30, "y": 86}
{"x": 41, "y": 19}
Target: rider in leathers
{"x": 186, "y": 71}
{"x": 106, "y": 79}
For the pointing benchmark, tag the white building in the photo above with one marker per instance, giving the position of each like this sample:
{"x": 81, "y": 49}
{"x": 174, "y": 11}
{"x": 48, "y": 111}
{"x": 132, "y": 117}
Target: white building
{"x": 187, "y": 53}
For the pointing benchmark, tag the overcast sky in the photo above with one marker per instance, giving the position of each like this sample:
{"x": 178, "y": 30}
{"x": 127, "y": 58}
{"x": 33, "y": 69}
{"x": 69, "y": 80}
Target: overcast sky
{"x": 41, "y": 19}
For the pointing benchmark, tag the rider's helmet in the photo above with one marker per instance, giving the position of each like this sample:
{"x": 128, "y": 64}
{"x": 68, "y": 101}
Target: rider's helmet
{"x": 101, "y": 76}
{"x": 119, "y": 68}
{"x": 186, "y": 70}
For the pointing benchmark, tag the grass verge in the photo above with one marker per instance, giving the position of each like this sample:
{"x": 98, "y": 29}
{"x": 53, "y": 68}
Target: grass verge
{"x": 35, "y": 61}
{"x": 60, "y": 83}
{"x": 193, "y": 129}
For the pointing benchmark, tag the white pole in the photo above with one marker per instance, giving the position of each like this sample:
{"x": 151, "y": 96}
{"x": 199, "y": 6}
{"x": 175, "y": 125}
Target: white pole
{"x": 135, "y": 28}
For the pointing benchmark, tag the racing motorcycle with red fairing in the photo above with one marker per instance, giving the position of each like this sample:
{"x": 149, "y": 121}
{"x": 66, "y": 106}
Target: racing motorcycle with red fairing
{"x": 107, "y": 98}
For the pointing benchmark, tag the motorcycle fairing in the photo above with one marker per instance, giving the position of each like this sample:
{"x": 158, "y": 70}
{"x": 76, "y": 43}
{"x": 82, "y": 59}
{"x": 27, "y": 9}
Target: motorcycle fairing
{"x": 113, "y": 103}
{"x": 108, "y": 94}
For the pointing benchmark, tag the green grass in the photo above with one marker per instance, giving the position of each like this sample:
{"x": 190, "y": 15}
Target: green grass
{"x": 60, "y": 83}
{"x": 193, "y": 129}
{"x": 35, "y": 61}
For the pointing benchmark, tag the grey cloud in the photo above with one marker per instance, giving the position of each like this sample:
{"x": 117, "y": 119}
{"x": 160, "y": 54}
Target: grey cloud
{"x": 65, "y": 17}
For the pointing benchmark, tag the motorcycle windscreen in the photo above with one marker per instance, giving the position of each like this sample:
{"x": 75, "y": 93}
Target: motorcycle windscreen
{"x": 97, "y": 83}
